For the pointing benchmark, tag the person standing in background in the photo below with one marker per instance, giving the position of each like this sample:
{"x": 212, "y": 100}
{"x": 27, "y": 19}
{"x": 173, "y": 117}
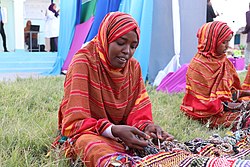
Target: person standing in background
{"x": 210, "y": 12}
{"x": 52, "y": 26}
{"x": 247, "y": 31}
{"x": 3, "y": 20}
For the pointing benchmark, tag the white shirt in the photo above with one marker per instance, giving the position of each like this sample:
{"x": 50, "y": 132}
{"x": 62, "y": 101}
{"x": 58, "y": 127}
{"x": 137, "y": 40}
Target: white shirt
{"x": 4, "y": 14}
{"x": 52, "y": 24}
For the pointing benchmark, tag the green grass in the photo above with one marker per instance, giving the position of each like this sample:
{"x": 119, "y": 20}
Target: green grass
{"x": 28, "y": 120}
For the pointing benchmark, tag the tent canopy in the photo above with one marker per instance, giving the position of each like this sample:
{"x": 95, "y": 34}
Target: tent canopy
{"x": 155, "y": 18}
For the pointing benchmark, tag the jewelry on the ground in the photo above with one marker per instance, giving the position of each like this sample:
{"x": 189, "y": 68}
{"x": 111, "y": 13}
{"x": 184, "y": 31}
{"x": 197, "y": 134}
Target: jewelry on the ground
{"x": 236, "y": 95}
{"x": 234, "y": 107}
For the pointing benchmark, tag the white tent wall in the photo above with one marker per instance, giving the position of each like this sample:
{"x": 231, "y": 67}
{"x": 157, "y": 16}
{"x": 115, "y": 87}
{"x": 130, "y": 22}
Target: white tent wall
{"x": 192, "y": 16}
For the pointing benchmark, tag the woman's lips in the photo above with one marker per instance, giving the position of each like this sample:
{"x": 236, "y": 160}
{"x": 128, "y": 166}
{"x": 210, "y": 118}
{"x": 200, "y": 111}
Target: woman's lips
{"x": 122, "y": 59}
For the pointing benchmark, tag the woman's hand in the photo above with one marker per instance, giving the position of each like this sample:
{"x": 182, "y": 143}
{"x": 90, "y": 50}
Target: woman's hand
{"x": 156, "y": 132}
{"x": 243, "y": 93}
{"x": 131, "y": 136}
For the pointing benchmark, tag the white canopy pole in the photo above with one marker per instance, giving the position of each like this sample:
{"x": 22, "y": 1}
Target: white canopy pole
{"x": 19, "y": 31}
{"x": 177, "y": 32}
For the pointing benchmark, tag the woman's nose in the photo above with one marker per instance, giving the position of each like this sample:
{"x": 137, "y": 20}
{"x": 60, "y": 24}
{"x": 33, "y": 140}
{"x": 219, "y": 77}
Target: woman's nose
{"x": 227, "y": 45}
{"x": 126, "y": 49}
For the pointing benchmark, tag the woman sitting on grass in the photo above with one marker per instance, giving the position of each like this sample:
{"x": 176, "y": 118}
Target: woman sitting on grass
{"x": 213, "y": 91}
{"x": 106, "y": 109}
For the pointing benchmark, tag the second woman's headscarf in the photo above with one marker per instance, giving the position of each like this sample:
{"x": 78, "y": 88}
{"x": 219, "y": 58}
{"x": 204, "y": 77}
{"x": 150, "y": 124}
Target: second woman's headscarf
{"x": 210, "y": 78}
{"x": 210, "y": 36}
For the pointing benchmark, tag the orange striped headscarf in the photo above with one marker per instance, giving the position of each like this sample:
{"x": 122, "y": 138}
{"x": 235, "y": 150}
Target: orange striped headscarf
{"x": 211, "y": 35}
{"x": 113, "y": 26}
{"x": 210, "y": 78}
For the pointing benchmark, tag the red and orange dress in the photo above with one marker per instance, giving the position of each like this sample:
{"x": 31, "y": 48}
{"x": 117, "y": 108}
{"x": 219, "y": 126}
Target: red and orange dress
{"x": 212, "y": 81}
{"x": 97, "y": 96}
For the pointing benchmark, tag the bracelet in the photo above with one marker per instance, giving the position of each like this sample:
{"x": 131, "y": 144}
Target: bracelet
{"x": 236, "y": 95}
{"x": 225, "y": 104}
{"x": 232, "y": 108}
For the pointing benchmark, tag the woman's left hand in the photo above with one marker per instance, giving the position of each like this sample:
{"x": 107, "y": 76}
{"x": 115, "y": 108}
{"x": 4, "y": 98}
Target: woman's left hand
{"x": 156, "y": 131}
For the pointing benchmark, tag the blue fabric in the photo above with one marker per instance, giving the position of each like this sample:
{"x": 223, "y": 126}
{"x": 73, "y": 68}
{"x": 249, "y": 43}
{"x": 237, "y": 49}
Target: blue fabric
{"x": 125, "y": 6}
{"x": 102, "y": 8}
{"x": 78, "y": 12}
{"x": 142, "y": 11}
{"x": 68, "y": 20}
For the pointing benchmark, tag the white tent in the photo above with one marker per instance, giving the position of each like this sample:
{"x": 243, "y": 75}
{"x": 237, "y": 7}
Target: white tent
{"x": 172, "y": 38}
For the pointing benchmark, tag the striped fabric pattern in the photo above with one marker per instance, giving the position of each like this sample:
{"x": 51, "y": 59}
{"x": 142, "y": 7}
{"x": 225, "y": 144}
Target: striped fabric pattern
{"x": 214, "y": 162}
{"x": 246, "y": 83}
{"x": 211, "y": 78}
{"x": 95, "y": 94}
{"x": 230, "y": 150}
{"x": 166, "y": 159}
{"x": 177, "y": 158}
{"x": 211, "y": 35}
{"x": 118, "y": 26}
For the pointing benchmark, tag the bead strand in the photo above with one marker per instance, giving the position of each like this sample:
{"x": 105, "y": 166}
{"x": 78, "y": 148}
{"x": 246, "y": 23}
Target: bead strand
{"x": 232, "y": 108}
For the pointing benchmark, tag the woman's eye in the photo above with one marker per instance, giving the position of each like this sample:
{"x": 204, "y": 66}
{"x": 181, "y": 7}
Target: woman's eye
{"x": 120, "y": 42}
{"x": 225, "y": 42}
{"x": 133, "y": 46}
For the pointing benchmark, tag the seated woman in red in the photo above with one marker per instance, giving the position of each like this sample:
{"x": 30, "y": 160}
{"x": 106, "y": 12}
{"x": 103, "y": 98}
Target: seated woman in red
{"x": 213, "y": 90}
{"x": 106, "y": 109}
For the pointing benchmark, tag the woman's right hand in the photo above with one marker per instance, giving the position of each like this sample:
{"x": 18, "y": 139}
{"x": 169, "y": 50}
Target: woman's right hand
{"x": 238, "y": 106}
{"x": 131, "y": 136}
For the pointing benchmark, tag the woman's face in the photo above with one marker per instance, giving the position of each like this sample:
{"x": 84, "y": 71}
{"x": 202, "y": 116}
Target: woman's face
{"x": 122, "y": 49}
{"x": 28, "y": 23}
{"x": 222, "y": 48}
